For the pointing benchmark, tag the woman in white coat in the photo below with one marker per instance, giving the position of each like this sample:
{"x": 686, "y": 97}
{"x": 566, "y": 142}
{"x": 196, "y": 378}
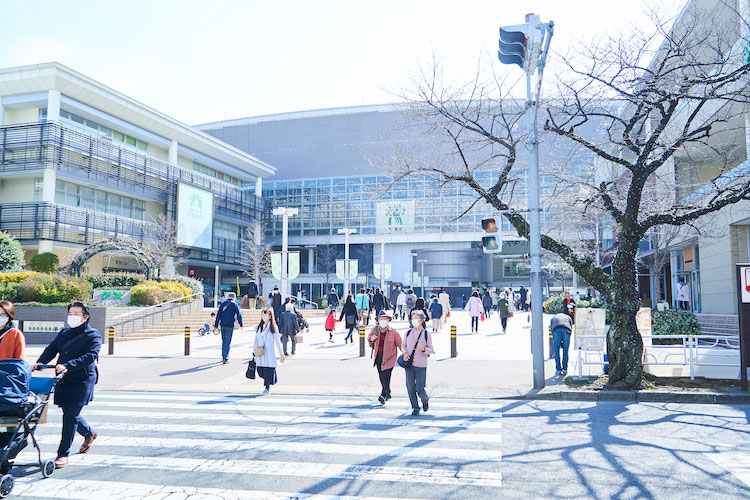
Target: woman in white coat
{"x": 267, "y": 337}
{"x": 474, "y": 307}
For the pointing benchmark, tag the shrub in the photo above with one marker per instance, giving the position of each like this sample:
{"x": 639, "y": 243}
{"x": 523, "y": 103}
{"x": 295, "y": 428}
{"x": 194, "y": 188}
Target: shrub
{"x": 45, "y": 262}
{"x": 114, "y": 280}
{"x": 155, "y": 292}
{"x": 193, "y": 284}
{"x": 673, "y": 322}
{"x": 9, "y": 291}
{"x": 11, "y": 253}
{"x": 553, "y": 305}
{"x": 16, "y": 277}
{"x": 48, "y": 289}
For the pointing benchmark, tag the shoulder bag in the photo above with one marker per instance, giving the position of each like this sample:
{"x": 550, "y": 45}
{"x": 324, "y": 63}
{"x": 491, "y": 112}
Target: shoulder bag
{"x": 400, "y": 360}
{"x": 262, "y": 349}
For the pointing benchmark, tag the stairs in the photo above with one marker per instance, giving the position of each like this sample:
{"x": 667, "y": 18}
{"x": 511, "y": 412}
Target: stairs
{"x": 723, "y": 326}
{"x": 196, "y": 319}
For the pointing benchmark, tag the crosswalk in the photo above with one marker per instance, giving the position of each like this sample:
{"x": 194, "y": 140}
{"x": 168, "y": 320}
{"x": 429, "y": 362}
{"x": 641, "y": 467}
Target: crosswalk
{"x": 206, "y": 446}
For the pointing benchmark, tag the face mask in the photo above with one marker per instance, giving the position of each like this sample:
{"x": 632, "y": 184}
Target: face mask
{"x": 416, "y": 323}
{"x": 3, "y": 320}
{"x": 383, "y": 323}
{"x": 75, "y": 321}
{"x": 265, "y": 318}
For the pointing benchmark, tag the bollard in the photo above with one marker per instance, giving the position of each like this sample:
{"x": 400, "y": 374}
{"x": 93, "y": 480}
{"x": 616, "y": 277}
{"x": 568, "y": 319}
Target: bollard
{"x": 187, "y": 341}
{"x": 454, "y": 352}
{"x": 111, "y": 340}
{"x": 551, "y": 347}
{"x": 361, "y": 341}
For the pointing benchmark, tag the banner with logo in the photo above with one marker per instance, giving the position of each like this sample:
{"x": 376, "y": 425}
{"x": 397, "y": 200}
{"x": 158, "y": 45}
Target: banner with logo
{"x": 395, "y": 216}
{"x": 353, "y": 268}
{"x": 292, "y": 266}
{"x": 195, "y": 217}
{"x": 386, "y": 271}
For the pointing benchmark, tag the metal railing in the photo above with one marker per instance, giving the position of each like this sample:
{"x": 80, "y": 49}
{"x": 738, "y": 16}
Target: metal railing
{"x": 143, "y": 318}
{"x": 687, "y": 353}
{"x": 305, "y": 301}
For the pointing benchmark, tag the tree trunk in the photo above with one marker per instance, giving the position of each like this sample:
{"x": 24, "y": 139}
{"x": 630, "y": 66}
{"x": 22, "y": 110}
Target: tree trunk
{"x": 624, "y": 342}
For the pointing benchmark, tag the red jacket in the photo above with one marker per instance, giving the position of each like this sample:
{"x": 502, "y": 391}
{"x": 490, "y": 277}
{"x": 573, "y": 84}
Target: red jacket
{"x": 392, "y": 343}
{"x": 330, "y": 322}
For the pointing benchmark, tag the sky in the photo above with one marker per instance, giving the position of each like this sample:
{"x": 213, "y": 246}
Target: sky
{"x": 202, "y": 61}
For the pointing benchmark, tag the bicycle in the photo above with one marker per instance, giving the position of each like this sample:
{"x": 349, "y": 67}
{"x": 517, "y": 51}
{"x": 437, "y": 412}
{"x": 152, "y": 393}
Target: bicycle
{"x": 207, "y": 331}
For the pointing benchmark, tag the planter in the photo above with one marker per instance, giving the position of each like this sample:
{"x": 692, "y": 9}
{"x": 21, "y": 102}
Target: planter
{"x": 40, "y": 324}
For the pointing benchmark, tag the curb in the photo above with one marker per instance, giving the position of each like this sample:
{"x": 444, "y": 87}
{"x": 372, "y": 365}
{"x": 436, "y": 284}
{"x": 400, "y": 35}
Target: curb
{"x": 639, "y": 397}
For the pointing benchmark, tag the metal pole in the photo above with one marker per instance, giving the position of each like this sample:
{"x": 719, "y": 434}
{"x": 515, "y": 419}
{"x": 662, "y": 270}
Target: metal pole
{"x": 111, "y": 340}
{"x": 423, "y": 279}
{"x": 382, "y": 267}
{"x": 216, "y": 287}
{"x": 346, "y": 262}
{"x": 284, "y": 254}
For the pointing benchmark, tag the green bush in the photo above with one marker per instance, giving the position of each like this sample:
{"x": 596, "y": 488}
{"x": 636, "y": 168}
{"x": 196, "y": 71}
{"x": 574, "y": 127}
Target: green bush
{"x": 672, "y": 322}
{"x": 9, "y": 291}
{"x": 553, "y": 305}
{"x": 149, "y": 293}
{"x": 11, "y": 253}
{"x": 45, "y": 262}
{"x": 193, "y": 284}
{"x": 48, "y": 289}
{"x": 114, "y": 280}
{"x": 16, "y": 277}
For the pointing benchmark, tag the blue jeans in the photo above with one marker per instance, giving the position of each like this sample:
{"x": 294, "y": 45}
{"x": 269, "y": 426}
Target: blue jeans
{"x": 72, "y": 422}
{"x": 416, "y": 378}
{"x": 226, "y": 340}
{"x": 561, "y": 338}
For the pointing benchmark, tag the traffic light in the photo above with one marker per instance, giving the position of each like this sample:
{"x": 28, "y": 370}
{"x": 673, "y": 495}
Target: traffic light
{"x": 492, "y": 241}
{"x": 513, "y": 46}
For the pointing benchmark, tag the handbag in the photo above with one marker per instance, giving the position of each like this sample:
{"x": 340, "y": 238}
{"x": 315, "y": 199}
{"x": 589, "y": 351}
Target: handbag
{"x": 250, "y": 372}
{"x": 298, "y": 338}
{"x": 262, "y": 349}
{"x": 400, "y": 359}
{"x": 510, "y": 314}
{"x": 481, "y": 318}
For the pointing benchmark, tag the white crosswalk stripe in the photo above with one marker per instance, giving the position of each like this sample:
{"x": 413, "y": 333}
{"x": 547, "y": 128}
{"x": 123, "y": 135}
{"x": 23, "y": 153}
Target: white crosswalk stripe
{"x": 736, "y": 462}
{"x": 208, "y": 446}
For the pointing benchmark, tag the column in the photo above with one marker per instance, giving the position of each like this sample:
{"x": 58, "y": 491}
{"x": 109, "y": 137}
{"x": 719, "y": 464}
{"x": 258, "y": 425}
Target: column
{"x": 2, "y": 112}
{"x": 49, "y": 182}
{"x": 53, "y": 105}
{"x": 311, "y": 260}
{"x": 259, "y": 187}
{"x": 173, "y": 153}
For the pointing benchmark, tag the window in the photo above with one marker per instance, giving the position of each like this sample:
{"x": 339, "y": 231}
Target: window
{"x": 103, "y": 131}
{"x": 38, "y": 187}
{"x": 68, "y": 193}
{"x": 215, "y": 173}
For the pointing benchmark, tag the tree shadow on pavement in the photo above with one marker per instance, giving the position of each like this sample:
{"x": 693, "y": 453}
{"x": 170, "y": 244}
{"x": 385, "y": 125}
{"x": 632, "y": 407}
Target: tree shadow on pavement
{"x": 193, "y": 369}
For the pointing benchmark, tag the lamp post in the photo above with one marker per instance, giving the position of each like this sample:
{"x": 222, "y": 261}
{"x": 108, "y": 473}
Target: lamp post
{"x": 346, "y": 232}
{"x": 285, "y": 214}
{"x": 422, "y": 261}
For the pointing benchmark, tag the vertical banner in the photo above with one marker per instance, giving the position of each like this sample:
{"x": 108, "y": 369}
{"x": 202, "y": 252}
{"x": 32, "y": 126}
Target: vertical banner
{"x": 195, "y": 217}
{"x": 387, "y": 271}
{"x": 643, "y": 321}
{"x": 353, "y": 268}
{"x": 276, "y": 265}
{"x": 293, "y": 270}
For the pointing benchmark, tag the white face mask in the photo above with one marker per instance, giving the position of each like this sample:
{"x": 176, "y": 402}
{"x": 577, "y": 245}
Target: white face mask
{"x": 416, "y": 323}
{"x": 383, "y": 323}
{"x": 266, "y": 318}
{"x": 3, "y": 320}
{"x": 75, "y": 321}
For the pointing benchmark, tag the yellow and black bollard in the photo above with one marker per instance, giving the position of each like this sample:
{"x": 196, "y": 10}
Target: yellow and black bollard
{"x": 111, "y": 335}
{"x": 187, "y": 341}
{"x": 551, "y": 347}
{"x": 361, "y": 341}
{"x": 454, "y": 352}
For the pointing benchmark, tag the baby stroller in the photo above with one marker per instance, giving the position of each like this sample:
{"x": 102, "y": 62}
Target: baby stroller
{"x": 23, "y": 406}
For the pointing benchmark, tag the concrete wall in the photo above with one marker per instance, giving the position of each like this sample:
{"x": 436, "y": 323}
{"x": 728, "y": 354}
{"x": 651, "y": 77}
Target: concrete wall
{"x": 15, "y": 116}
{"x": 17, "y": 190}
{"x": 59, "y": 314}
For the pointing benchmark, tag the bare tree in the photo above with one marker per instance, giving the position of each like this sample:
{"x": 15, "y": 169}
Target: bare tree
{"x": 638, "y": 104}
{"x": 161, "y": 243}
{"x": 326, "y": 261}
{"x": 255, "y": 255}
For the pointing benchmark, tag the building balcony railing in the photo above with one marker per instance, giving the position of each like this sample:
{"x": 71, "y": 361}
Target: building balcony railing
{"x": 102, "y": 162}
{"x": 60, "y": 223}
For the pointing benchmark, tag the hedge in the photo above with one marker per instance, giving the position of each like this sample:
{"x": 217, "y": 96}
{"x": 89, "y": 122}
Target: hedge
{"x": 193, "y": 284}
{"x": 554, "y": 304}
{"x": 45, "y": 262}
{"x": 149, "y": 293}
{"x": 673, "y": 322}
{"x": 17, "y": 277}
{"x": 48, "y": 288}
{"x": 9, "y": 291}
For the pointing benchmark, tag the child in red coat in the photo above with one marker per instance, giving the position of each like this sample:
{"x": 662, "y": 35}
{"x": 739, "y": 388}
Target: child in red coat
{"x": 331, "y": 325}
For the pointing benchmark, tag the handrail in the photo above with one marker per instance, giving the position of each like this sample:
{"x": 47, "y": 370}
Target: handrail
{"x": 156, "y": 305}
{"x": 308, "y": 301}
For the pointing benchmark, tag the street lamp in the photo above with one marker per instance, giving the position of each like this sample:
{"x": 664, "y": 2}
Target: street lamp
{"x": 285, "y": 214}
{"x": 346, "y": 232}
{"x": 422, "y": 261}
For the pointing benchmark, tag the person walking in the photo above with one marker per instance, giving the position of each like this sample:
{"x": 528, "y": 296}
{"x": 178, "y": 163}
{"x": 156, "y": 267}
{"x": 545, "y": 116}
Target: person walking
{"x": 511, "y": 299}
{"x": 474, "y": 308}
{"x": 330, "y": 325}
{"x": 276, "y": 303}
{"x": 569, "y": 306}
{"x": 401, "y": 305}
{"x": 225, "y": 317}
{"x": 436, "y": 313}
{"x": 562, "y": 327}
{"x": 288, "y": 327}
{"x": 487, "y": 304}
{"x": 77, "y": 349}
{"x": 503, "y": 310}
{"x": 418, "y": 344}
{"x": 333, "y": 299}
{"x": 378, "y": 301}
{"x": 522, "y": 292}
{"x": 445, "y": 302}
{"x": 362, "y": 301}
{"x": 349, "y": 311}
{"x": 385, "y": 342}
{"x": 265, "y": 347}
{"x": 394, "y": 299}
{"x": 12, "y": 341}
{"x": 411, "y": 302}
{"x": 252, "y": 294}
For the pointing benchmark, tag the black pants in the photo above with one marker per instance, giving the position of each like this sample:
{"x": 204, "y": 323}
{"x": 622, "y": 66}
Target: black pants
{"x": 72, "y": 422}
{"x": 504, "y": 322}
{"x": 385, "y": 376}
{"x": 475, "y": 321}
{"x": 285, "y": 340}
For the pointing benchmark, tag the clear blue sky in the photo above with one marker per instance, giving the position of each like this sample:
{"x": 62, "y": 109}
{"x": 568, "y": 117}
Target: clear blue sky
{"x": 203, "y": 61}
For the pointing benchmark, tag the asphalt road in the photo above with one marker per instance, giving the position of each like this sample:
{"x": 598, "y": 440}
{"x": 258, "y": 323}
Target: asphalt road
{"x": 188, "y": 445}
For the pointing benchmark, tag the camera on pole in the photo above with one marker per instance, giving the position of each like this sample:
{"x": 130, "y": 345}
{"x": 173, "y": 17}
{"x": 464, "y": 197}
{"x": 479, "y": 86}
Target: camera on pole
{"x": 492, "y": 241}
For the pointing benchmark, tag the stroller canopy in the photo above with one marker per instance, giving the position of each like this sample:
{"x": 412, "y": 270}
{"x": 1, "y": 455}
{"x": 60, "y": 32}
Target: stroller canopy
{"x": 15, "y": 384}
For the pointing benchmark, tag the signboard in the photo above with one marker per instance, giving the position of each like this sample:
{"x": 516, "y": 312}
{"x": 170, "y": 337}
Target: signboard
{"x": 395, "y": 216}
{"x": 292, "y": 266}
{"x": 743, "y": 308}
{"x": 376, "y": 271}
{"x": 745, "y": 285}
{"x": 195, "y": 217}
{"x": 43, "y": 326}
{"x": 353, "y": 268}
{"x": 643, "y": 322}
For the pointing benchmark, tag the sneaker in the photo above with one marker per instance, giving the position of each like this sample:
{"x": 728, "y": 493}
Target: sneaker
{"x": 564, "y": 372}
{"x": 558, "y": 372}
{"x": 330, "y": 340}
{"x": 388, "y": 397}
{"x": 415, "y": 412}
{"x": 425, "y": 405}
{"x": 381, "y": 399}
{"x": 265, "y": 392}
{"x": 224, "y": 361}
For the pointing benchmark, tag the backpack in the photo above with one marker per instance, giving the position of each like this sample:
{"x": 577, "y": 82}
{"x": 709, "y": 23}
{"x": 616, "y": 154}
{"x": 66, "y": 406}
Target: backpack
{"x": 410, "y": 302}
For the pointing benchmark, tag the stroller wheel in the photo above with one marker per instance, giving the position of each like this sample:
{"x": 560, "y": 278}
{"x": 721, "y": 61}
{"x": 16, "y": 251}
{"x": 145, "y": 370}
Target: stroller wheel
{"x": 48, "y": 467}
{"x": 6, "y": 485}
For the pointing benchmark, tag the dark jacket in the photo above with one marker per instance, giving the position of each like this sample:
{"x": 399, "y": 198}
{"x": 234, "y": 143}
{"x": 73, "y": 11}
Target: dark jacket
{"x": 77, "y": 349}
{"x": 228, "y": 310}
{"x": 349, "y": 311}
{"x": 288, "y": 324}
{"x": 275, "y": 300}
{"x": 436, "y": 310}
{"x": 333, "y": 299}
{"x": 252, "y": 290}
{"x": 394, "y": 296}
{"x": 487, "y": 301}
{"x": 378, "y": 302}
{"x": 561, "y": 320}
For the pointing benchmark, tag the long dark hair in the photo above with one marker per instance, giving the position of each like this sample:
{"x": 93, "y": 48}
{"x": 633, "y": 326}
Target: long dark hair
{"x": 272, "y": 320}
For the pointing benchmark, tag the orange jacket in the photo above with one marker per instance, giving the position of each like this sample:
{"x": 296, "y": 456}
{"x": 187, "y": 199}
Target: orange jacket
{"x": 13, "y": 345}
